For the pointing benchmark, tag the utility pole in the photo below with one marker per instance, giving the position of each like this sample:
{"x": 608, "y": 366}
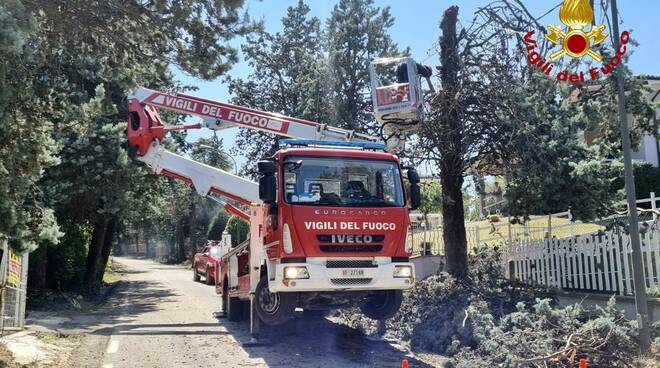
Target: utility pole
{"x": 637, "y": 265}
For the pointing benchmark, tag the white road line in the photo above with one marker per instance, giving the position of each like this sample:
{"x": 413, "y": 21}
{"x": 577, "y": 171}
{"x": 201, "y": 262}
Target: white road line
{"x": 113, "y": 346}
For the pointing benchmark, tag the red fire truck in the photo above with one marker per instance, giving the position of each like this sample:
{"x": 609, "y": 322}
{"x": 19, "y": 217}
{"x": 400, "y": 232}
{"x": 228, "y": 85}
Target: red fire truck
{"x": 328, "y": 218}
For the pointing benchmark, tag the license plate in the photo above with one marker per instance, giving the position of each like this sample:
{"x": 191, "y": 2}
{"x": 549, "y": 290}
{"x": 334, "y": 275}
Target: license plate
{"x": 352, "y": 273}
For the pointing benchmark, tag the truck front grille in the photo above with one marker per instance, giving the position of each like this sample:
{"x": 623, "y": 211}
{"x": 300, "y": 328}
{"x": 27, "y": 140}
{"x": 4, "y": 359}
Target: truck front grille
{"x": 349, "y": 282}
{"x": 351, "y": 248}
{"x": 351, "y": 263}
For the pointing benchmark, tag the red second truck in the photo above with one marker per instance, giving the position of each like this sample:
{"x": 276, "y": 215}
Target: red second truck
{"x": 205, "y": 262}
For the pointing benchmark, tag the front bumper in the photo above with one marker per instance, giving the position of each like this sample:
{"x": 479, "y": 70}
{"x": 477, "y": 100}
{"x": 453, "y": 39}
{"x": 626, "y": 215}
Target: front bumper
{"x": 323, "y": 278}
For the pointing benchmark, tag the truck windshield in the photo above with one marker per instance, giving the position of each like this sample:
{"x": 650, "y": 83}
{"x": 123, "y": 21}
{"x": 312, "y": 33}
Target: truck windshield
{"x": 342, "y": 182}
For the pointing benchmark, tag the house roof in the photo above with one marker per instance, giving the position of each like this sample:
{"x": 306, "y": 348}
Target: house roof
{"x": 653, "y": 82}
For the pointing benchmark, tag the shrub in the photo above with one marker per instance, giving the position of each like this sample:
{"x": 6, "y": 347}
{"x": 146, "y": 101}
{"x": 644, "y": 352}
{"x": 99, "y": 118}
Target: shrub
{"x": 488, "y": 321}
{"x": 217, "y": 226}
{"x": 238, "y": 229}
{"x": 647, "y": 180}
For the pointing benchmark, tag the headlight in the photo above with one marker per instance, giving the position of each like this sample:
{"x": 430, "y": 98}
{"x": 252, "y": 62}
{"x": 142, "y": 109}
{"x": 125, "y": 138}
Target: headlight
{"x": 295, "y": 272}
{"x": 409, "y": 241}
{"x": 287, "y": 244}
{"x": 403, "y": 271}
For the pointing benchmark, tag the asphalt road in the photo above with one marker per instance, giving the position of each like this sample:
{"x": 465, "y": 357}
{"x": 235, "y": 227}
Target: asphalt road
{"x": 159, "y": 317}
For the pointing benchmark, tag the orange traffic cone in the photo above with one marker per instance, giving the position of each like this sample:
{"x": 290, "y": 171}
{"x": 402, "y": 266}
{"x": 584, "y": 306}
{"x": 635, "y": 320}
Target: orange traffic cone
{"x": 583, "y": 363}
{"x": 405, "y": 364}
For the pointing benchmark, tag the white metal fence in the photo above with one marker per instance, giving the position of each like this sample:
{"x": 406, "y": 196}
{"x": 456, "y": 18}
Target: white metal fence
{"x": 592, "y": 262}
{"x": 427, "y": 237}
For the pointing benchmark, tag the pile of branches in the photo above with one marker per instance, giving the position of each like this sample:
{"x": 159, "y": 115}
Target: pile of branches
{"x": 488, "y": 321}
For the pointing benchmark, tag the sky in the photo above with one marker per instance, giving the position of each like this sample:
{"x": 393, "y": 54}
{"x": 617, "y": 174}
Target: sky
{"x": 416, "y": 26}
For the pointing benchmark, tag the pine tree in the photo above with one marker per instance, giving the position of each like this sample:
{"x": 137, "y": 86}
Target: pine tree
{"x": 290, "y": 76}
{"x": 310, "y": 74}
{"x": 497, "y": 115}
{"x": 26, "y": 145}
{"x": 65, "y": 68}
{"x": 357, "y": 33}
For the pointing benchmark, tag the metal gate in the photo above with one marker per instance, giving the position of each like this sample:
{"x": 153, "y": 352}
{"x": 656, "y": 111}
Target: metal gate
{"x": 13, "y": 286}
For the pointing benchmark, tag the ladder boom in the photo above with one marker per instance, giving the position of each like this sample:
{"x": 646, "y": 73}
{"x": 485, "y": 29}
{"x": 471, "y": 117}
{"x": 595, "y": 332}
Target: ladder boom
{"x": 219, "y": 115}
{"x": 205, "y": 179}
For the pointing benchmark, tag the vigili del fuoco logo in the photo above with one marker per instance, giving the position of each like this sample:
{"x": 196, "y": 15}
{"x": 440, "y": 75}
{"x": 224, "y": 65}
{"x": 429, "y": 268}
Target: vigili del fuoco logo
{"x": 576, "y": 40}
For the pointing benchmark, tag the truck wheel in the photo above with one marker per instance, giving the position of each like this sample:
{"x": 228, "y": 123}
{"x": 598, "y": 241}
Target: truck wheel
{"x": 232, "y": 307}
{"x": 195, "y": 274}
{"x": 273, "y": 308}
{"x": 207, "y": 277}
{"x": 383, "y": 305}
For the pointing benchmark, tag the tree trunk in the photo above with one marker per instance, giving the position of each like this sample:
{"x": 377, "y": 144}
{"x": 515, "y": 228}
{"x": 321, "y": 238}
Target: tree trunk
{"x": 173, "y": 243}
{"x": 180, "y": 240}
{"x": 93, "y": 254}
{"x": 453, "y": 217}
{"x": 107, "y": 248}
{"x": 147, "y": 241}
{"x": 193, "y": 229}
{"x": 480, "y": 185}
{"x": 451, "y": 149}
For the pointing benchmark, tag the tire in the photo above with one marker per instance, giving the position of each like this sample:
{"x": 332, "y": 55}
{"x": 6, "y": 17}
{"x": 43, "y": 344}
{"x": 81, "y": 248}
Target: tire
{"x": 207, "y": 277}
{"x": 383, "y": 305}
{"x": 231, "y": 306}
{"x": 196, "y": 277}
{"x": 273, "y": 308}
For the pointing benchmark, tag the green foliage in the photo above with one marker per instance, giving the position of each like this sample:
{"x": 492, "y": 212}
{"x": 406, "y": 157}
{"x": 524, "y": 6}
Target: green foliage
{"x": 17, "y": 24}
{"x": 288, "y": 77}
{"x": 488, "y": 321}
{"x": 65, "y": 69}
{"x": 211, "y": 152}
{"x": 192, "y": 35}
{"x": 26, "y": 145}
{"x": 556, "y": 169}
{"x": 472, "y": 207}
{"x": 357, "y": 32}
{"x": 431, "y": 197}
{"x": 647, "y": 180}
{"x": 238, "y": 229}
{"x": 217, "y": 225}
{"x": 66, "y": 261}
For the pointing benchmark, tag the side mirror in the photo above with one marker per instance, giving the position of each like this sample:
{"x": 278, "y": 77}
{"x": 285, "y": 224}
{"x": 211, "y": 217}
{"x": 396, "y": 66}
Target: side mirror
{"x": 267, "y": 182}
{"x": 415, "y": 190}
{"x": 413, "y": 176}
{"x": 415, "y": 196}
{"x": 266, "y": 167}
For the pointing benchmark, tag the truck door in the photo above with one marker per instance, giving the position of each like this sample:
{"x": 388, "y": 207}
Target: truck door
{"x": 233, "y": 271}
